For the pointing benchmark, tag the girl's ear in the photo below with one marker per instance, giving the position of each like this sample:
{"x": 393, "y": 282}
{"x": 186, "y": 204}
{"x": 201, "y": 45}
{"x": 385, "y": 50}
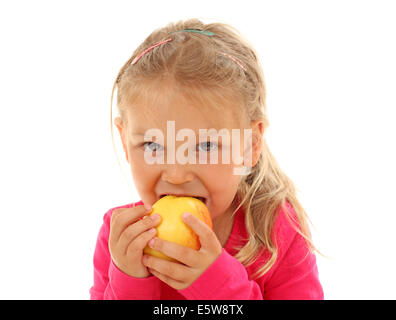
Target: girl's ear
{"x": 257, "y": 127}
{"x": 120, "y": 126}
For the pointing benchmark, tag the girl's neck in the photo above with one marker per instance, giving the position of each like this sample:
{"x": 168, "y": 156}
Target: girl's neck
{"x": 222, "y": 225}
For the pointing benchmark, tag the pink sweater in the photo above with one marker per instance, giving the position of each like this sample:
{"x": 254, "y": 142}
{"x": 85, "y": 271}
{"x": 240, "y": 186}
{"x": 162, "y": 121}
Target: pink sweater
{"x": 293, "y": 276}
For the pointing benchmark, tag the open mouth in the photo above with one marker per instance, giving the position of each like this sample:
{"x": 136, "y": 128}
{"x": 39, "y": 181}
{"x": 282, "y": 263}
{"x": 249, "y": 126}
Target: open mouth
{"x": 185, "y": 195}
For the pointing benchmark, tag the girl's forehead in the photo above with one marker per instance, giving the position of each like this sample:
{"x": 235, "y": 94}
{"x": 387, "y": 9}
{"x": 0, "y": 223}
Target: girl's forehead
{"x": 144, "y": 117}
{"x": 188, "y": 108}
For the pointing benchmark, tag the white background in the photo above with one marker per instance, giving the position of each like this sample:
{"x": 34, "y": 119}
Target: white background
{"x": 331, "y": 77}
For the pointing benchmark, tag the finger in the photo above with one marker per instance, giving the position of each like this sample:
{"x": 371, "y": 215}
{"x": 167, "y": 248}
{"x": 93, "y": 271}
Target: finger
{"x": 121, "y": 218}
{"x": 182, "y": 254}
{"x": 169, "y": 281}
{"x": 135, "y": 229}
{"x": 141, "y": 241}
{"x": 206, "y": 236}
{"x": 169, "y": 269}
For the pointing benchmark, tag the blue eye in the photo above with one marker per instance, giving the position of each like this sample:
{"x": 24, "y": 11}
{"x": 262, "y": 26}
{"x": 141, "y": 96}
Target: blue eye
{"x": 208, "y": 146}
{"x": 152, "y": 146}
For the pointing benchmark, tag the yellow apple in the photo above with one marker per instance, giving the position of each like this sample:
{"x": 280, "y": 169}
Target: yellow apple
{"x": 172, "y": 227}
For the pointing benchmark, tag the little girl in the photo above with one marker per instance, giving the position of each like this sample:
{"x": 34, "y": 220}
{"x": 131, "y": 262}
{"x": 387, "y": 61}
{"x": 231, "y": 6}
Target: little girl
{"x": 186, "y": 78}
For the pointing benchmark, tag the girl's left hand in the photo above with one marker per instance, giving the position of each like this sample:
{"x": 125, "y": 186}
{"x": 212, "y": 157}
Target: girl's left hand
{"x": 193, "y": 262}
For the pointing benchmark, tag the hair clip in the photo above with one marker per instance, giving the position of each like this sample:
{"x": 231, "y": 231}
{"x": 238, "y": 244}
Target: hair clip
{"x": 235, "y": 60}
{"x": 136, "y": 59}
{"x": 208, "y": 33}
{"x": 148, "y": 49}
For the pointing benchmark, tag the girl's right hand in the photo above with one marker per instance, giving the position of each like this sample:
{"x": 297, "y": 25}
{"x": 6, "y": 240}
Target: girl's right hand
{"x": 129, "y": 235}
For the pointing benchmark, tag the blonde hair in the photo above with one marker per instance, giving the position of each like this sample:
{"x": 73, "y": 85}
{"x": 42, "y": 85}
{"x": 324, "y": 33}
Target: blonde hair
{"x": 198, "y": 61}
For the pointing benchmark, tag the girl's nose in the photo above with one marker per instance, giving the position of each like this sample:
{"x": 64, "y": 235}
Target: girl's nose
{"x": 177, "y": 174}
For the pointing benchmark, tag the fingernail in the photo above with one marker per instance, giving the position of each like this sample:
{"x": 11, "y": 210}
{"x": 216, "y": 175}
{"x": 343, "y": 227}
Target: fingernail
{"x": 147, "y": 207}
{"x": 186, "y": 215}
{"x": 152, "y": 230}
{"x": 155, "y": 217}
{"x": 151, "y": 243}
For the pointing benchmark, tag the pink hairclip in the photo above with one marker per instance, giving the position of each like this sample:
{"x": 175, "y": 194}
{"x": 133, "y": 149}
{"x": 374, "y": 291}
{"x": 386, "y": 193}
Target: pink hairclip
{"x": 170, "y": 39}
{"x": 234, "y": 59}
{"x": 148, "y": 49}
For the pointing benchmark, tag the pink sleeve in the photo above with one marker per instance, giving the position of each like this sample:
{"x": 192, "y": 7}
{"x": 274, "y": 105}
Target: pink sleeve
{"x": 225, "y": 279}
{"x": 111, "y": 283}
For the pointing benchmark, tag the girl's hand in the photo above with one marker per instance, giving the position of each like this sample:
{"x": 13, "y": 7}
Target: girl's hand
{"x": 129, "y": 234}
{"x": 193, "y": 262}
